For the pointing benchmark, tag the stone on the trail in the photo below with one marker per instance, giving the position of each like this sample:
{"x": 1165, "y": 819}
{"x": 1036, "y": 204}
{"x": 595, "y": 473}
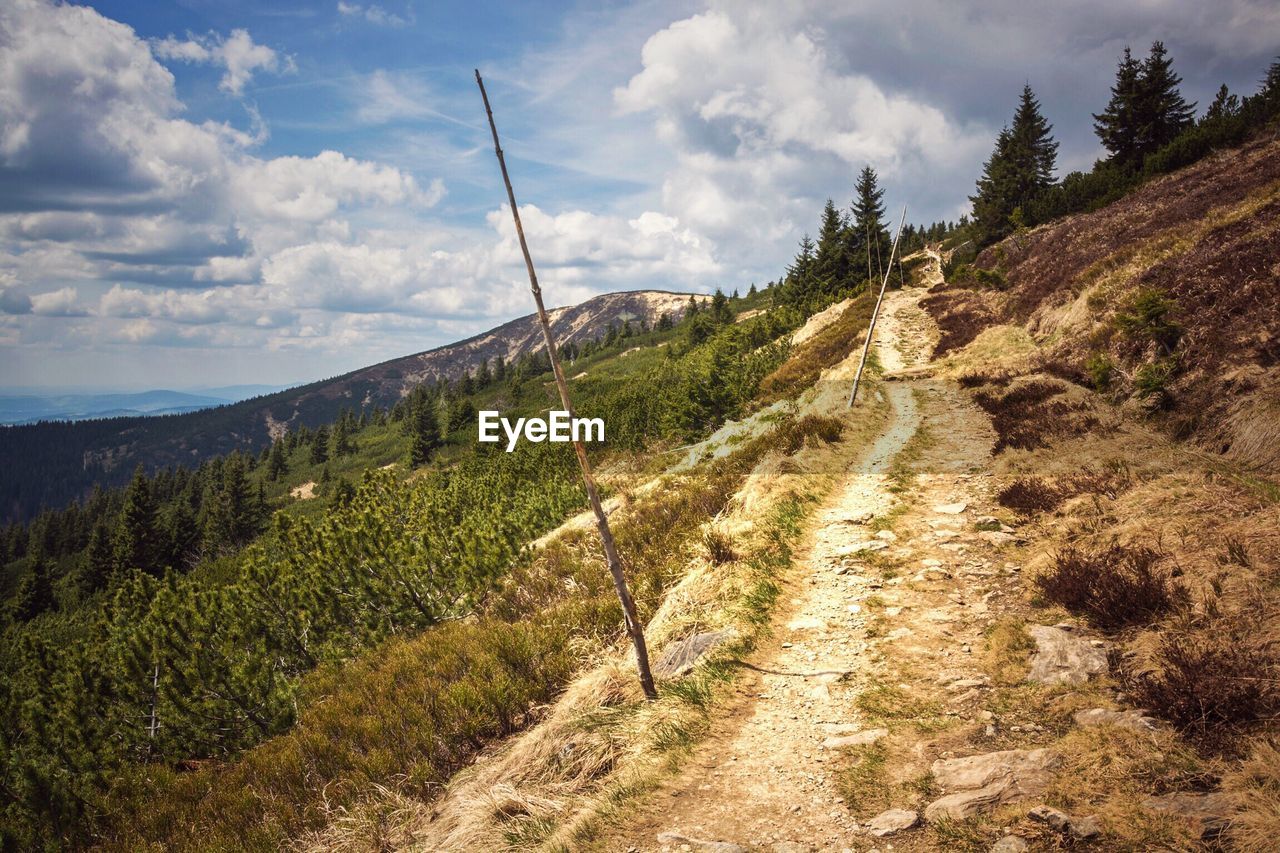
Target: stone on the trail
{"x": 1010, "y": 844}
{"x": 887, "y": 536}
{"x": 1135, "y": 720}
{"x": 862, "y": 738}
{"x": 1206, "y": 814}
{"x": 861, "y": 547}
{"x": 680, "y": 656}
{"x": 996, "y": 537}
{"x": 1063, "y": 657}
{"x": 951, "y": 509}
{"x": 1079, "y": 828}
{"x": 861, "y": 518}
{"x": 931, "y": 563}
{"x": 980, "y": 783}
{"x": 891, "y": 821}
{"x": 700, "y": 843}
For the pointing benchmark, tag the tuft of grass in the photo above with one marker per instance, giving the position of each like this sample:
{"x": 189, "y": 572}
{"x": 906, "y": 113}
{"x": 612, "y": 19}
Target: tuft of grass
{"x": 864, "y": 784}
{"x": 810, "y": 429}
{"x": 1007, "y": 652}
{"x": 1255, "y": 787}
{"x": 719, "y": 547}
{"x": 886, "y": 702}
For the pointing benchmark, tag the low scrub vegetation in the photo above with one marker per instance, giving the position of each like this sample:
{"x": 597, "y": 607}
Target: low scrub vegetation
{"x": 961, "y": 316}
{"x": 1113, "y": 588}
{"x": 805, "y": 363}
{"x": 808, "y": 428}
{"x": 1213, "y": 675}
{"x": 1027, "y": 417}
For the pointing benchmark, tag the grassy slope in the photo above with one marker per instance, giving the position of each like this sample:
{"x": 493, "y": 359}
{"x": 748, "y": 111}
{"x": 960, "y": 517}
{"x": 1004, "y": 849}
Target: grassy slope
{"x": 406, "y": 715}
{"x": 1101, "y": 483}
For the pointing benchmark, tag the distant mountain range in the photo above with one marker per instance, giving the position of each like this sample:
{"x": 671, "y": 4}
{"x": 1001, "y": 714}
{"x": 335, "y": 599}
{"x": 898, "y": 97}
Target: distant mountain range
{"x": 49, "y": 464}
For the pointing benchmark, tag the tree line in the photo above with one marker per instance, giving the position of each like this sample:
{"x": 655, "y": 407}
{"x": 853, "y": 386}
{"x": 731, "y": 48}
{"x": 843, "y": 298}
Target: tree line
{"x": 1147, "y": 127}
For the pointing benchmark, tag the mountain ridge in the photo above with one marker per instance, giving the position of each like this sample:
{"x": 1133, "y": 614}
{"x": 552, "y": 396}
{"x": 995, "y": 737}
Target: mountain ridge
{"x": 52, "y": 463}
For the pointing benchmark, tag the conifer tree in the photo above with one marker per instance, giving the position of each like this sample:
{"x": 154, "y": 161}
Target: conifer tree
{"x": 342, "y": 434}
{"x": 35, "y": 594}
{"x": 137, "y": 538}
{"x": 424, "y": 432}
{"x": 1018, "y": 172}
{"x": 277, "y": 463}
{"x": 1118, "y": 124}
{"x": 1162, "y": 111}
{"x": 866, "y": 232}
{"x": 831, "y": 263}
{"x": 99, "y": 562}
{"x": 320, "y": 446}
{"x": 721, "y": 313}
{"x": 1225, "y": 105}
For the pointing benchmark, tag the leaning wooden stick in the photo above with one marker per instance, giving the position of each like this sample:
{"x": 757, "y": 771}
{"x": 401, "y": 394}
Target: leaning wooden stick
{"x": 871, "y": 329}
{"x": 593, "y": 494}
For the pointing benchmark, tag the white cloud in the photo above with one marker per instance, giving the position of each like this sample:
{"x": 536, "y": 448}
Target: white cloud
{"x": 373, "y": 13}
{"x": 237, "y": 53}
{"x": 63, "y": 302}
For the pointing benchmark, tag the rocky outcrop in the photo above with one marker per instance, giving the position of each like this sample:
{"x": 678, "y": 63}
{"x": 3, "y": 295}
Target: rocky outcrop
{"x": 891, "y": 821}
{"x": 1208, "y": 814}
{"x": 1062, "y": 656}
{"x": 980, "y": 783}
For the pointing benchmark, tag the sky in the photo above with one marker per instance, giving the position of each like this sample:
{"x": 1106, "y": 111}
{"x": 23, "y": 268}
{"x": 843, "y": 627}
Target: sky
{"x": 209, "y": 192}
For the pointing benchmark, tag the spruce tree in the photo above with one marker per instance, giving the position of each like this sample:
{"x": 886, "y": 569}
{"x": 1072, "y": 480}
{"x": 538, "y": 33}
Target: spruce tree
{"x": 35, "y": 593}
{"x": 1018, "y": 172}
{"x": 867, "y": 236}
{"x": 424, "y": 435}
{"x": 137, "y": 538}
{"x": 99, "y": 560}
{"x": 1225, "y": 105}
{"x": 1118, "y": 124}
{"x": 1162, "y": 111}
{"x": 277, "y": 463}
{"x": 831, "y": 265}
{"x": 320, "y": 446}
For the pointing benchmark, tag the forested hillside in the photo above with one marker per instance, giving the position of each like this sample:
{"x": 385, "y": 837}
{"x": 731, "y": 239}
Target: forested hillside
{"x": 50, "y": 464}
{"x": 195, "y": 614}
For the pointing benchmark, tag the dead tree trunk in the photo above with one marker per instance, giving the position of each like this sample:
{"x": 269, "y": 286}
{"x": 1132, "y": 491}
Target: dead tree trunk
{"x": 593, "y": 494}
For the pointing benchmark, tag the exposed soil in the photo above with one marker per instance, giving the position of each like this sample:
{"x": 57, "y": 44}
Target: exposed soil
{"x": 894, "y": 579}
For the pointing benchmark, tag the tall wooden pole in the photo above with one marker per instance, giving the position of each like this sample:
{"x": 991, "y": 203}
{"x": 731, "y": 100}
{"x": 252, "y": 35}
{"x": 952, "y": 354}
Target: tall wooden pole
{"x": 593, "y": 494}
{"x": 871, "y": 329}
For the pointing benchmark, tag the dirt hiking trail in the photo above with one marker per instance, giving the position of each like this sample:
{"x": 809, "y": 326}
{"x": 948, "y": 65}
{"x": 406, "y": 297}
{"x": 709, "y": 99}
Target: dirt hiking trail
{"x": 894, "y": 578}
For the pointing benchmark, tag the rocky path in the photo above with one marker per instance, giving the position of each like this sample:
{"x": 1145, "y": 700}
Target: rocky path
{"x": 896, "y": 582}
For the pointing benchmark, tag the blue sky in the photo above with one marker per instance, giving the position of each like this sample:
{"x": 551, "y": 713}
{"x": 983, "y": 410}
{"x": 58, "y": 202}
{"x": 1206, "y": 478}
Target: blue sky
{"x": 201, "y": 193}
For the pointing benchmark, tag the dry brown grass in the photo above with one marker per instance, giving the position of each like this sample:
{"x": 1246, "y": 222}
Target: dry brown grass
{"x": 1255, "y": 787}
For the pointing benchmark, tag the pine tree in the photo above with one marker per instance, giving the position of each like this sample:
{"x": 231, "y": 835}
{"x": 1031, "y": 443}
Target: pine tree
{"x": 277, "y": 463}
{"x": 721, "y": 313}
{"x": 831, "y": 264}
{"x": 231, "y": 516}
{"x": 137, "y": 538}
{"x": 342, "y": 434}
{"x": 1019, "y": 171}
{"x": 1034, "y": 146}
{"x": 99, "y": 560}
{"x": 1118, "y": 125}
{"x": 1162, "y": 111}
{"x": 35, "y": 593}
{"x": 424, "y": 434}
{"x": 1225, "y": 105}
{"x": 866, "y": 236}
{"x": 320, "y": 446}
